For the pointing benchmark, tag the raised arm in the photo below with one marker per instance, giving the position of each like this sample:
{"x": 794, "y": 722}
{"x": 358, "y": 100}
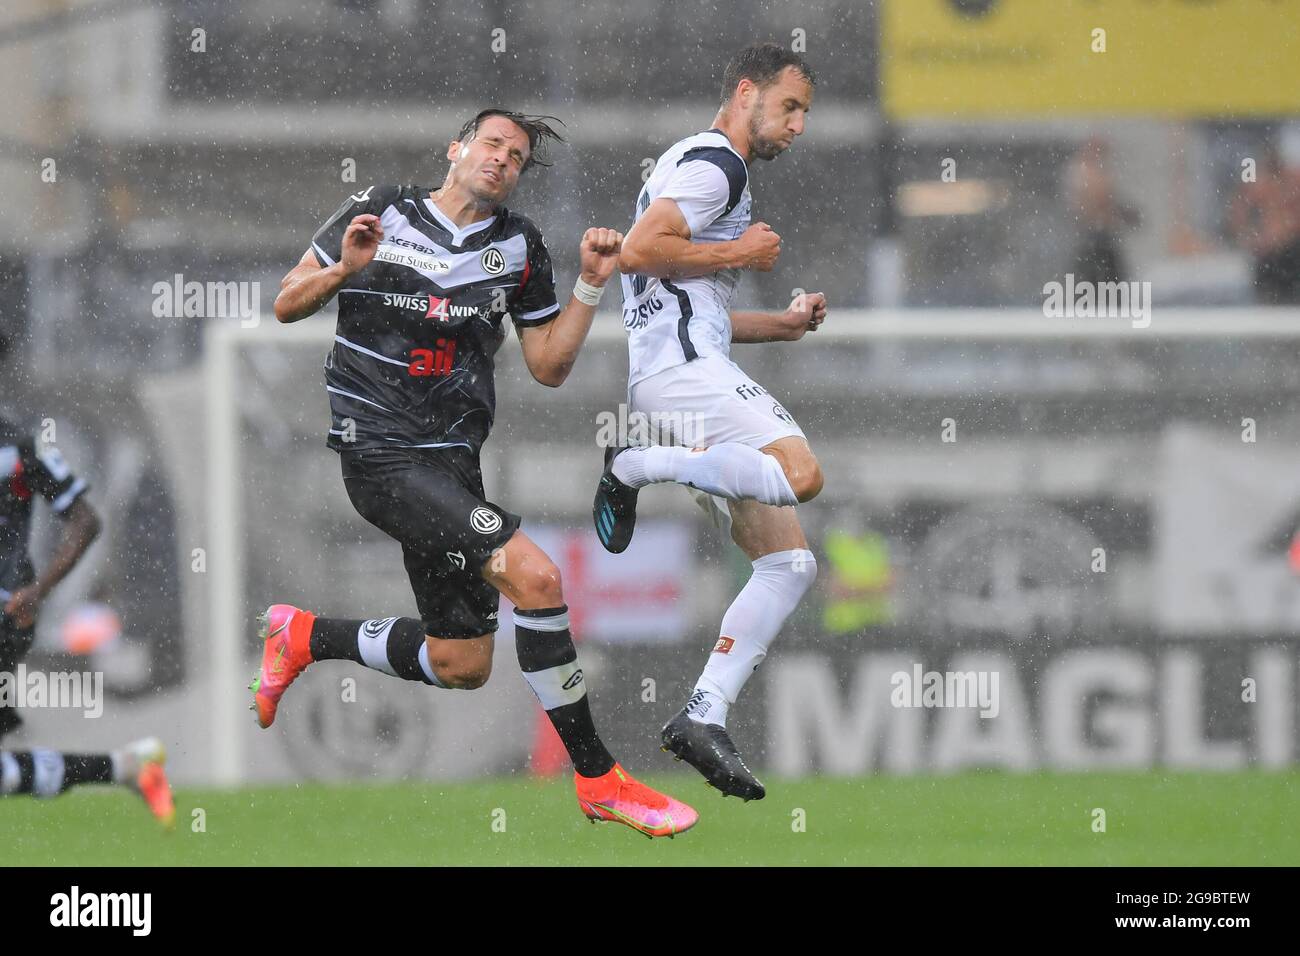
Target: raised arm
{"x": 309, "y": 285}
{"x": 551, "y": 349}
{"x": 660, "y": 245}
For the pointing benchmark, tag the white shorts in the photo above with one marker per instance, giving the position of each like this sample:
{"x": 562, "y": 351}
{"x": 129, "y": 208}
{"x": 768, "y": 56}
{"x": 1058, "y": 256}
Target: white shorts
{"x": 708, "y": 401}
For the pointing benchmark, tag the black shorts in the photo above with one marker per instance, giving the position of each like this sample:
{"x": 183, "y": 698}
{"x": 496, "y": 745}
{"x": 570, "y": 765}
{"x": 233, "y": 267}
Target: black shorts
{"x": 432, "y": 503}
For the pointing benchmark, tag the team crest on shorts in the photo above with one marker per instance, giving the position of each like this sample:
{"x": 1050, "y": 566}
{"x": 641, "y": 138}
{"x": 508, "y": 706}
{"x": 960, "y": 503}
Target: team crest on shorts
{"x": 485, "y": 521}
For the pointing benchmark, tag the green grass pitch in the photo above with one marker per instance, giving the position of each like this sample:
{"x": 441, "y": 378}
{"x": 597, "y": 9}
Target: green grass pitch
{"x": 1152, "y": 818}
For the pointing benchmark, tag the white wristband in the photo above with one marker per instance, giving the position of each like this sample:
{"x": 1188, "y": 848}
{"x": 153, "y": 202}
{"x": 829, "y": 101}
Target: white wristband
{"x": 589, "y": 294}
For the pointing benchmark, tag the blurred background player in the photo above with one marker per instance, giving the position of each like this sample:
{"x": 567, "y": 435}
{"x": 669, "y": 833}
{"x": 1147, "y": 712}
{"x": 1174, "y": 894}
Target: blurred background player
{"x": 681, "y": 262}
{"x": 1093, "y": 198}
{"x": 1265, "y": 219}
{"x": 24, "y": 473}
{"x": 424, "y": 280}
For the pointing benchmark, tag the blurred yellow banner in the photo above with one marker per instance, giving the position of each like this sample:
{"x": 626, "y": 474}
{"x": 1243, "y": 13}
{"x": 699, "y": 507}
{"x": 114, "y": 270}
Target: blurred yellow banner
{"x": 1046, "y": 58}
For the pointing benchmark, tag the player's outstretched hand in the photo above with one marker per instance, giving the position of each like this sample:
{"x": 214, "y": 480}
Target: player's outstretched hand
{"x": 806, "y": 314}
{"x": 759, "y": 247}
{"x": 362, "y": 238}
{"x": 599, "y": 254}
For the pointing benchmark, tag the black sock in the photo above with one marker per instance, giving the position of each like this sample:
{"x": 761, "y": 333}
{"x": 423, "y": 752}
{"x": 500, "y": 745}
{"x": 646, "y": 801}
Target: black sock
{"x": 46, "y": 773}
{"x": 86, "y": 768}
{"x": 335, "y": 639}
{"x": 9, "y": 719}
{"x": 392, "y": 645}
{"x": 550, "y": 665}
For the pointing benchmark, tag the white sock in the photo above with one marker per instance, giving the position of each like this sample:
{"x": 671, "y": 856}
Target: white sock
{"x": 778, "y": 583}
{"x": 47, "y": 773}
{"x": 706, "y": 707}
{"x": 9, "y": 773}
{"x": 729, "y": 470}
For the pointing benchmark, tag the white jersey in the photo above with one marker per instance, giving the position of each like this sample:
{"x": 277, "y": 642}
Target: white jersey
{"x": 671, "y": 322}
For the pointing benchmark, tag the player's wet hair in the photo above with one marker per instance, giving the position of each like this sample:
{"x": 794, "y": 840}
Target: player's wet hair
{"x": 761, "y": 64}
{"x": 538, "y": 129}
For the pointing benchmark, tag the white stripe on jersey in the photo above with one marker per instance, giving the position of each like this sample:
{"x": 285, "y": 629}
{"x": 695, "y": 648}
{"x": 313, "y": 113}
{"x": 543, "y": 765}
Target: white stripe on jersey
{"x": 365, "y": 351}
{"x": 436, "y": 444}
{"x": 529, "y": 316}
{"x": 323, "y": 254}
{"x": 53, "y": 461}
{"x": 339, "y": 391}
{"x": 440, "y": 444}
{"x": 672, "y": 322}
{"x": 404, "y": 245}
{"x": 458, "y": 235}
{"x": 65, "y": 500}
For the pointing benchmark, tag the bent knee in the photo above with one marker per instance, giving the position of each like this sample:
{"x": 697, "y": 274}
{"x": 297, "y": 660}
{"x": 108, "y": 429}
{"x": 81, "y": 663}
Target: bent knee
{"x": 805, "y": 479}
{"x": 540, "y": 586}
{"x": 464, "y": 675}
{"x": 459, "y": 666}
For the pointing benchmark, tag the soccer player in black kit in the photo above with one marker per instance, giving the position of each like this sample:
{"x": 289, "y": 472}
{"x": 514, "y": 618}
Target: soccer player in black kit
{"x": 25, "y": 473}
{"x": 425, "y": 280}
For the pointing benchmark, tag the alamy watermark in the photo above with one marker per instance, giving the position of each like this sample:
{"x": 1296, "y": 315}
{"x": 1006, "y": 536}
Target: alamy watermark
{"x": 72, "y": 690}
{"x": 176, "y": 299}
{"x": 625, "y": 428}
{"x": 79, "y": 909}
{"x": 1098, "y": 300}
{"x": 941, "y": 689}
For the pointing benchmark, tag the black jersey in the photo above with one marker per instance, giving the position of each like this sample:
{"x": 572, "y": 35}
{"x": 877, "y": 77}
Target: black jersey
{"x": 419, "y": 327}
{"x": 24, "y": 473}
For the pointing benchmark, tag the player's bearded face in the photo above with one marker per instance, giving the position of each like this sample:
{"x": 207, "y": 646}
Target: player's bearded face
{"x": 777, "y": 115}
{"x": 761, "y": 140}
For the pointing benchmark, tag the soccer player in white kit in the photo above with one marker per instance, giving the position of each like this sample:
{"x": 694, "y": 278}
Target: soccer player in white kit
{"x": 729, "y": 439}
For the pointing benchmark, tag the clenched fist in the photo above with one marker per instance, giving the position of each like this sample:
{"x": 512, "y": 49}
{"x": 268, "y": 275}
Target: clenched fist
{"x": 806, "y": 314}
{"x": 599, "y": 254}
{"x": 758, "y": 247}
